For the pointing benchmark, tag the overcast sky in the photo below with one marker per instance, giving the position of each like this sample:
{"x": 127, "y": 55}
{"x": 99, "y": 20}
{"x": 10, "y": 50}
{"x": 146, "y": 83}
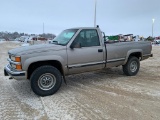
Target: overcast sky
{"x": 113, "y": 16}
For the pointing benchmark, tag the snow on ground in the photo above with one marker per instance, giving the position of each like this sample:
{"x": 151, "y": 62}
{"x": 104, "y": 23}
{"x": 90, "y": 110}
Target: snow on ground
{"x": 105, "y": 94}
{"x": 25, "y": 44}
{"x": 2, "y": 42}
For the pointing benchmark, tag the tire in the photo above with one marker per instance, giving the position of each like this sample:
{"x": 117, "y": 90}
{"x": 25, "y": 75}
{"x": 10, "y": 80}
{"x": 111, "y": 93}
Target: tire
{"x": 46, "y": 80}
{"x": 132, "y": 66}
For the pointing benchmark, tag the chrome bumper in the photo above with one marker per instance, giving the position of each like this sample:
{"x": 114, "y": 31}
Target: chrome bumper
{"x": 18, "y": 75}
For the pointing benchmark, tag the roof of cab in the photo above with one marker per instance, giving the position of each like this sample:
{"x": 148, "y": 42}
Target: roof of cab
{"x": 84, "y": 28}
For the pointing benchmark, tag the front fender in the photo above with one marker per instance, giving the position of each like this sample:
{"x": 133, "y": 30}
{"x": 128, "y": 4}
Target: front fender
{"x": 31, "y": 60}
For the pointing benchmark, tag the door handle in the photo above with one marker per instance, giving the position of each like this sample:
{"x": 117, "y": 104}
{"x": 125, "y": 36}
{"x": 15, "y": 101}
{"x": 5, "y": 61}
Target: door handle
{"x": 100, "y": 50}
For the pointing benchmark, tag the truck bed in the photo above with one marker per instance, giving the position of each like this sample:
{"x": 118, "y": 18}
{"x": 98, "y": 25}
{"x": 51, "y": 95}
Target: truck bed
{"x": 118, "y": 51}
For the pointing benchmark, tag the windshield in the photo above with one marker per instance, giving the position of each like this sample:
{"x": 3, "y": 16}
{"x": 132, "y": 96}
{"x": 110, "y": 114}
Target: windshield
{"x": 64, "y": 37}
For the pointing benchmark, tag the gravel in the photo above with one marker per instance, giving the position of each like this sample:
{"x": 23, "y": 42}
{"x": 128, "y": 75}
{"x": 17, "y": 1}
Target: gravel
{"x": 105, "y": 94}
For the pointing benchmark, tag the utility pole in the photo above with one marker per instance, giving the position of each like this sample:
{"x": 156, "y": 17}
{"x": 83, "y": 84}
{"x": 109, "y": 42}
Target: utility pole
{"x": 152, "y": 26}
{"x": 95, "y": 13}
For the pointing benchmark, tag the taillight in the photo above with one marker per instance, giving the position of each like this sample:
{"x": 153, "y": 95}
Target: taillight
{"x": 151, "y": 46}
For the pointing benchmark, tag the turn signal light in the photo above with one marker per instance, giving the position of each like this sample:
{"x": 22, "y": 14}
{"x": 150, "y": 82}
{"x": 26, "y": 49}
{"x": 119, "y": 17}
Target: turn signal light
{"x": 17, "y": 59}
{"x": 19, "y": 67}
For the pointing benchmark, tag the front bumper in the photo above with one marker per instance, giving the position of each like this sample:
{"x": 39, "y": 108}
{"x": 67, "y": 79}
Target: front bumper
{"x": 18, "y": 75}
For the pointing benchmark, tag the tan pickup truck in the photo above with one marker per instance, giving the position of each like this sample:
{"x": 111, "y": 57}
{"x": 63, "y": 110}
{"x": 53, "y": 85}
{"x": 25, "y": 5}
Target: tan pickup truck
{"x": 74, "y": 51}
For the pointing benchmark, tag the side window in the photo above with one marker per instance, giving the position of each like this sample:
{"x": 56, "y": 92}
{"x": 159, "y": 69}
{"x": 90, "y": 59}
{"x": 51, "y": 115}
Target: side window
{"x": 80, "y": 40}
{"x": 92, "y": 38}
{"x": 87, "y": 38}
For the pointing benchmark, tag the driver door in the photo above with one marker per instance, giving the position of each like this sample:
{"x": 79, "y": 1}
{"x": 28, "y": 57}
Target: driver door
{"x": 86, "y": 54}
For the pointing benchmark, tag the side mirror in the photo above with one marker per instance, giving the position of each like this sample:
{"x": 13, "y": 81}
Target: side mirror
{"x": 72, "y": 46}
{"x": 77, "y": 45}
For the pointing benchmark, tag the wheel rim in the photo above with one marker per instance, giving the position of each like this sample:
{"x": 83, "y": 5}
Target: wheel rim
{"x": 133, "y": 66}
{"x": 46, "y": 81}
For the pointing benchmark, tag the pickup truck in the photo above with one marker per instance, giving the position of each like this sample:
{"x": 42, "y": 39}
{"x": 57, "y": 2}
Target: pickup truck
{"x": 73, "y": 51}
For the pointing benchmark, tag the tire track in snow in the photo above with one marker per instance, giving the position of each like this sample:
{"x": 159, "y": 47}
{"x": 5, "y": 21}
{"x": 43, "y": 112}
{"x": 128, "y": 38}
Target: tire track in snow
{"x": 17, "y": 102}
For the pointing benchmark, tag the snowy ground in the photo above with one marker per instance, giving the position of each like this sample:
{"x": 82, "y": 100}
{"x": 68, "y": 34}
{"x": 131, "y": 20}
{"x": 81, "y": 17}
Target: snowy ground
{"x": 106, "y": 94}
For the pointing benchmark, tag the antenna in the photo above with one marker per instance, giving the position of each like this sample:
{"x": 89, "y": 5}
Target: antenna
{"x": 43, "y": 28}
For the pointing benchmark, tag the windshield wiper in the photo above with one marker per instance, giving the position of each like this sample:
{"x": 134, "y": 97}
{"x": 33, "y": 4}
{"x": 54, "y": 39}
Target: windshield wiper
{"x": 55, "y": 42}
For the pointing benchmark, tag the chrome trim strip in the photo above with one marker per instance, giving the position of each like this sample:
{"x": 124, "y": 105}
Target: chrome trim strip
{"x": 85, "y": 65}
{"x": 115, "y": 60}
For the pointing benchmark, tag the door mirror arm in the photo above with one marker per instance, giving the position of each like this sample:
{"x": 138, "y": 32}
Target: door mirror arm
{"x": 73, "y": 45}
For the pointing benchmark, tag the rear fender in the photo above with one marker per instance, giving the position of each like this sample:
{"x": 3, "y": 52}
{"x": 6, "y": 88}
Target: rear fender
{"x": 132, "y": 52}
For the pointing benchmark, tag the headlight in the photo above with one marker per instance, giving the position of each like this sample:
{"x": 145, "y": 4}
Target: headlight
{"x": 15, "y": 62}
{"x": 16, "y": 59}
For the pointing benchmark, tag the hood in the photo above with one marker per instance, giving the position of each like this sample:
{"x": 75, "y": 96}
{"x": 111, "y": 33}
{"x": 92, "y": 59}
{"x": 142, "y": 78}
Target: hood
{"x": 35, "y": 48}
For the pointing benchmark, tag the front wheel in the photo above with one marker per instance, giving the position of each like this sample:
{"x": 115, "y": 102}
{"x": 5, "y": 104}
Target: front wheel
{"x": 46, "y": 80}
{"x": 132, "y": 66}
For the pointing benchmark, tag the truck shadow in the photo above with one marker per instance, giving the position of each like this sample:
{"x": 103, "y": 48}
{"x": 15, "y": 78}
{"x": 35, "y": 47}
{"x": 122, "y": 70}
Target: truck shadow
{"x": 23, "y": 88}
{"x": 91, "y": 78}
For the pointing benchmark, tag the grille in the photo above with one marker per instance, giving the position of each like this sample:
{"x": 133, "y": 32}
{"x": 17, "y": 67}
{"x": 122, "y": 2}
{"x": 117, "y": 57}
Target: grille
{"x": 10, "y": 56}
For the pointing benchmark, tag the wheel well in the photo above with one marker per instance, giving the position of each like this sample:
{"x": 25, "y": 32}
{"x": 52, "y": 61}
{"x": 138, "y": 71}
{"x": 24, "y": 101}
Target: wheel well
{"x": 136, "y": 54}
{"x": 35, "y": 65}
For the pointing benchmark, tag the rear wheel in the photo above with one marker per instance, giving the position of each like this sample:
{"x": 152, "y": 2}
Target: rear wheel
{"x": 132, "y": 66}
{"x": 46, "y": 80}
